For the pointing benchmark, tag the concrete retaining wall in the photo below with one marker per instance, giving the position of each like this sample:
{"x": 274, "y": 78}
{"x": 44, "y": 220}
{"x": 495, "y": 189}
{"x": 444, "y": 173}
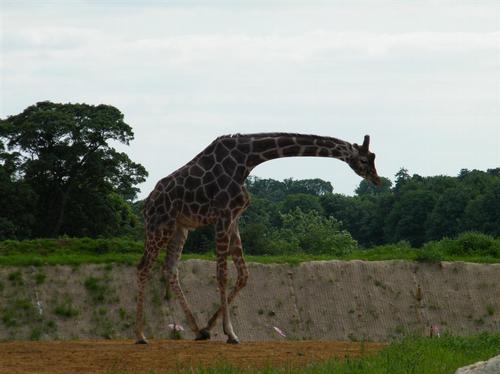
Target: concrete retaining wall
{"x": 333, "y": 300}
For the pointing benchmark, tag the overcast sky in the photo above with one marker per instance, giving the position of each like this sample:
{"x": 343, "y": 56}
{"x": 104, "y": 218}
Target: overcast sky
{"x": 421, "y": 77}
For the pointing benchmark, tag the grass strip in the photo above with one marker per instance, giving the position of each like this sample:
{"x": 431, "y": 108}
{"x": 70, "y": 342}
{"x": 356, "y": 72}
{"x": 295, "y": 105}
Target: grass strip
{"x": 31, "y": 259}
{"x": 412, "y": 355}
{"x": 467, "y": 247}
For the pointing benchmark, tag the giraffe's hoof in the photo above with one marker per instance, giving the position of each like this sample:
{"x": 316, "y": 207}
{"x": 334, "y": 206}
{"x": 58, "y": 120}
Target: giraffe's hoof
{"x": 203, "y": 334}
{"x": 141, "y": 341}
{"x": 232, "y": 341}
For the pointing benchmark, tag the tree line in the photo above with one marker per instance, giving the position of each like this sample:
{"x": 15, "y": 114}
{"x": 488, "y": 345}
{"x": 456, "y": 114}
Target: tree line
{"x": 60, "y": 176}
{"x": 415, "y": 209}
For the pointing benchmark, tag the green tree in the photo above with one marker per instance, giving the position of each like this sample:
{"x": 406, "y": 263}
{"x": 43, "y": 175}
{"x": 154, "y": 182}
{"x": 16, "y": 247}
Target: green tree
{"x": 494, "y": 172}
{"x": 269, "y": 189}
{"x": 256, "y": 225}
{"x": 407, "y": 218}
{"x": 201, "y": 240}
{"x": 17, "y": 199}
{"x": 305, "y": 202}
{"x": 275, "y": 191}
{"x": 79, "y": 179}
{"x": 376, "y": 209}
{"x": 345, "y": 209}
{"x": 310, "y": 233}
{"x": 483, "y": 212}
{"x": 368, "y": 188}
{"x": 446, "y": 218}
{"x": 315, "y": 186}
{"x": 478, "y": 181}
{"x": 402, "y": 177}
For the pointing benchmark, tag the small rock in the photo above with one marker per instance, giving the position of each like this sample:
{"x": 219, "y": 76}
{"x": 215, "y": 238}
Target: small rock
{"x": 492, "y": 366}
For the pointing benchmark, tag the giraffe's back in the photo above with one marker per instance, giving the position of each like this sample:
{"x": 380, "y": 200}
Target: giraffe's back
{"x": 179, "y": 199}
{"x": 159, "y": 206}
{"x": 195, "y": 195}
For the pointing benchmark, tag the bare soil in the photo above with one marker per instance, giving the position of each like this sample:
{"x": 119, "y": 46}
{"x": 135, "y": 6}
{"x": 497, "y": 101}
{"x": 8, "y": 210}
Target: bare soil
{"x": 164, "y": 356}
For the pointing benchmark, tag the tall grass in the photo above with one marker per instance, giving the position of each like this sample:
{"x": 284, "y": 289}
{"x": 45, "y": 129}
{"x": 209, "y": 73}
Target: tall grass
{"x": 412, "y": 355}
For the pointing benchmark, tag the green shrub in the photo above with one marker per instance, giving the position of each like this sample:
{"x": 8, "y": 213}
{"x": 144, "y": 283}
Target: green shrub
{"x": 429, "y": 253}
{"x": 122, "y": 313}
{"x": 65, "y": 308}
{"x": 100, "y": 290}
{"x": 36, "y": 333}
{"x": 40, "y": 278}
{"x": 19, "y": 312}
{"x": 310, "y": 233}
{"x": 466, "y": 244}
{"x": 96, "y": 288}
{"x": 478, "y": 243}
{"x": 9, "y": 317}
{"x": 175, "y": 334}
{"x": 490, "y": 309}
{"x": 16, "y": 278}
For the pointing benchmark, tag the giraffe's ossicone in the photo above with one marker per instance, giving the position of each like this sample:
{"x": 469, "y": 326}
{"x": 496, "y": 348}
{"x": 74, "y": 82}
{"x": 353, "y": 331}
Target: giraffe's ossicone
{"x": 210, "y": 190}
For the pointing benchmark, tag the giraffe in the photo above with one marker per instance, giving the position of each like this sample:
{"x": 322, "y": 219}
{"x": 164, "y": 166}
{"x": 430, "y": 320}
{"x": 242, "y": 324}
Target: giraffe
{"x": 210, "y": 190}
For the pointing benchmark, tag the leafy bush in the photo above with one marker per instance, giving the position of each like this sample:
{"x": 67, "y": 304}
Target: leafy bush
{"x": 402, "y": 248}
{"x": 469, "y": 243}
{"x": 66, "y": 309}
{"x": 429, "y": 253}
{"x": 96, "y": 289}
{"x": 475, "y": 242}
{"x": 18, "y": 312}
{"x": 310, "y": 233}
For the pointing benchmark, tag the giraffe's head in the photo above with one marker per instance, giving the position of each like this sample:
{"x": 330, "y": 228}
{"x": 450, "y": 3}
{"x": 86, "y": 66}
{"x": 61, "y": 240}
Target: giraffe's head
{"x": 362, "y": 161}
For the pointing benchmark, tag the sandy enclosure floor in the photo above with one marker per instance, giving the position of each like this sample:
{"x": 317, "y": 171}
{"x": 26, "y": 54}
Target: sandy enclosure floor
{"x": 163, "y": 356}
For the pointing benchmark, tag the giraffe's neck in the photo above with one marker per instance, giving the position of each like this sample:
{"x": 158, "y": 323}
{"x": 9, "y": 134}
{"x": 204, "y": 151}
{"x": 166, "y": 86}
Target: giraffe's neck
{"x": 236, "y": 155}
{"x": 265, "y": 147}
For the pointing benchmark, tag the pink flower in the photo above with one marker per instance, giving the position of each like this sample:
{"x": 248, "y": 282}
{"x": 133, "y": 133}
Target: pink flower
{"x": 435, "y": 330}
{"x": 279, "y": 331}
{"x": 176, "y": 327}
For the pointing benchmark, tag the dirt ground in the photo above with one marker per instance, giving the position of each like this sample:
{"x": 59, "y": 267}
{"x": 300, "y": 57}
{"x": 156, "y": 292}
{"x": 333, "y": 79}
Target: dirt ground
{"x": 164, "y": 356}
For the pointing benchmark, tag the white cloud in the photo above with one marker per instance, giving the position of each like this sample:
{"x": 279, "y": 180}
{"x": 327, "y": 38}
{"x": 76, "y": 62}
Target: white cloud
{"x": 410, "y": 75}
{"x": 182, "y": 50}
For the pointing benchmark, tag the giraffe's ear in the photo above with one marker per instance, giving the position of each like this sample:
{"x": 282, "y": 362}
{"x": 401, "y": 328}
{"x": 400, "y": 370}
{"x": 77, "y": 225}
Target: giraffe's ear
{"x": 366, "y": 144}
{"x": 356, "y": 146}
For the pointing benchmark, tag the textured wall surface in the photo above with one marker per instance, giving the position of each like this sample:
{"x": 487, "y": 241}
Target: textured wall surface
{"x": 332, "y": 300}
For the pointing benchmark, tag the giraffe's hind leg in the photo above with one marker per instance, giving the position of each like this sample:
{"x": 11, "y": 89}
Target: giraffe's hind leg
{"x": 174, "y": 251}
{"x": 236, "y": 251}
{"x": 223, "y": 237}
{"x": 154, "y": 242}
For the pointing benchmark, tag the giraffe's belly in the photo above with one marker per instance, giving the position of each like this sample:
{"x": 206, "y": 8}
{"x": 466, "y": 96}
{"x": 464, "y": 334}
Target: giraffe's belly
{"x": 192, "y": 220}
